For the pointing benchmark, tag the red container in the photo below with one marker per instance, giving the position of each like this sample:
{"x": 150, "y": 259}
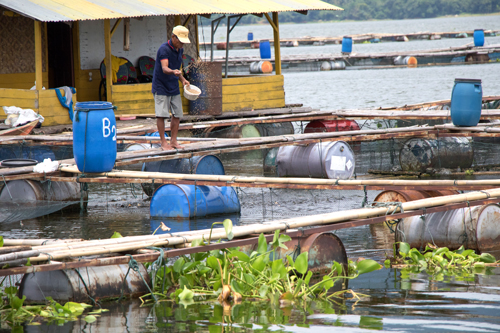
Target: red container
{"x": 331, "y": 126}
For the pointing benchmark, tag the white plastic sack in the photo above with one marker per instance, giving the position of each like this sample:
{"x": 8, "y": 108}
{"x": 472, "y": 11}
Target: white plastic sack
{"x": 46, "y": 166}
{"x": 24, "y": 116}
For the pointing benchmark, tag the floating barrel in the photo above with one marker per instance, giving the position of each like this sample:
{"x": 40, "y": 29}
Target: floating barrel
{"x": 321, "y": 126}
{"x": 265, "y": 49}
{"x": 236, "y": 132}
{"x": 337, "y": 65}
{"x": 347, "y": 44}
{"x": 200, "y": 165}
{"x": 32, "y": 191}
{"x": 189, "y": 201}
{"x": 207, "y": 77}
{"x": 478, "y": 37}
{"x": 180, "y": 225}
{"x": 98, "y": 282}
{"x": 94, "y": 136}
{"x": 476, "y": 228}
{"x": 409, "y": 61}
{"x": 138, "y": 147}
{"x": 418, "y": 154}
{"x": 262, "y": 66}
{"x": 269, "y": 166}
{"x": 325, "y": 66}
{"x": 466, "y": 101}
{"x": 274, "y": 129}
{"x": 250, "y": 36}
{"x": 333, "y": 160}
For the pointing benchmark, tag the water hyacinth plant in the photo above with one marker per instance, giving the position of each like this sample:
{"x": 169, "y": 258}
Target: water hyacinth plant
{"x": 231, "y": 275}
{"x": 439, "y": 262}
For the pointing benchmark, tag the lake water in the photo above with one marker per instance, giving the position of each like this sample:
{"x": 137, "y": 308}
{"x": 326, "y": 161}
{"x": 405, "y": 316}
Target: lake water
{"x": 393, "y": 302}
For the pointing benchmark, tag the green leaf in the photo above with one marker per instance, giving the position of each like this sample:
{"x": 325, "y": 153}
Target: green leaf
{"x": 262, "y": 246}
{"x": 17, "y": 302}
{"x": 282, "y": 240}
{"x": 467, "y": 253}
{"x": 301, "y": 263}
{"x": 249, "y": 278}
{"x": 186, "y": 294}
{"x": 11, "y": 290}
{"x": 367, "y": 266}
{"x": 240, "y": 255}
{"x": 487, "y": 258}
{"x": 213, "y": 263}
{"x": 90, "y": 319}
{"x": 278, "y": 267}
{"x": 338, "y": 268}
{"x": 441, "y": 250}
{"x": 236, "y": 287}
{"x": 404, "y": 248}
{"x": 290, "y": 261}
{"x": 196, "y": 242}
{"x": 387, "y": 263}
{"x": 116, "y": 235}
{"x": 228, "y": 226}
{"x": 178, "y": 265}
{"x": 1, "y": 241}
{"x": 259, "y": 264}
{"x": 327, "y": 283}
{"x": 183, "y": 281}
{"x": 416, "y": 255}
{"x": 74, "y": 307}
{"x": 308, "y": 277}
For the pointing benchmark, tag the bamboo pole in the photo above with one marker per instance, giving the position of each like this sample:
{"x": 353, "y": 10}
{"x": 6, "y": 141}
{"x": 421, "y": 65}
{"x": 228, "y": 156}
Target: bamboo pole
{"x": 268, "y": 227}
{"x": 38, "y": 242}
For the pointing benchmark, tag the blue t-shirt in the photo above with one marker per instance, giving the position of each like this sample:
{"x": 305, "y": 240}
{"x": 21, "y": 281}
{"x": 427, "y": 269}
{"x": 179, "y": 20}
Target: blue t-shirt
{"x": 164, "y": 84}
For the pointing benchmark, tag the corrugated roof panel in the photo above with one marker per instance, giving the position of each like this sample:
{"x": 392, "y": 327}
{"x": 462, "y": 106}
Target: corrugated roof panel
{"x": 75, "y": 10}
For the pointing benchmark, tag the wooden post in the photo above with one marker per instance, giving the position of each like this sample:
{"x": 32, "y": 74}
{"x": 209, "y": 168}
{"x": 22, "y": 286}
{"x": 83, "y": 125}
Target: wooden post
{"x": 107, "y": 60}
{"x": 196, "y": 34}
{"x": 38, "y": 55}
{"x": 177, "y": 20}
{"x": 277, "y": 46}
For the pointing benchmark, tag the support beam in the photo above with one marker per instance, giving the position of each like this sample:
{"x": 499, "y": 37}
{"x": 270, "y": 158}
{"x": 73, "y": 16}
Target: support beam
{"x": 277, "y": 46}
{"x": 107, "y": 60}
{"x": 38, "y": 55}
{"x": 115, "y": 26}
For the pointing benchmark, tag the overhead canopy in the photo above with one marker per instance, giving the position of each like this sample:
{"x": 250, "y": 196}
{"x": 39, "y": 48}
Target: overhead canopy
{"x": 76, "y": 10}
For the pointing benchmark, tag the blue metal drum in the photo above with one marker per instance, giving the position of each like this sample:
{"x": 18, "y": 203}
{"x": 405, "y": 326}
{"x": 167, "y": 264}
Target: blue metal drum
{"x": 265, "y": 49}
{"x": 478, "y": 37}
{"x": 466, "y": 101}
{"x": 189, "y": 201}
{"x": 94, "y": 136}
{"x": 200, "y": 165}
{"x": 250, "y": 36}
{"x": 346, "y": 44}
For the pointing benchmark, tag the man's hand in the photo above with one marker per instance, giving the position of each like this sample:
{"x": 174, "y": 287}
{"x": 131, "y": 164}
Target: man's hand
{"x": 177, "y": 72}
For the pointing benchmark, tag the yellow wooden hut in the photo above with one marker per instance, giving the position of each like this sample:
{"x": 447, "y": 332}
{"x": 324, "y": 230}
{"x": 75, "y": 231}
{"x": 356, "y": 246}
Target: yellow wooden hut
{"x": 47, "y": 44}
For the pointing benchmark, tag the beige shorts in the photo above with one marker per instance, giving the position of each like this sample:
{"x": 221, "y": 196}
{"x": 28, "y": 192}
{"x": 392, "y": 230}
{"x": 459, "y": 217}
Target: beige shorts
{"x": 166, "y": 105}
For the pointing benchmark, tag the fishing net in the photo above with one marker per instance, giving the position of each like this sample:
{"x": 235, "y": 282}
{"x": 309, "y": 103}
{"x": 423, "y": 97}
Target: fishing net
{"x": 13, "y": 211}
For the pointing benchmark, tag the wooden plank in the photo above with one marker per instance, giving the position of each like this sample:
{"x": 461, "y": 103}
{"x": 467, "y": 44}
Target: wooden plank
{"x": 17, "y": 93}
{"x": 232, "y": 81}
{"x": 126, "y": 88}
{"x": 254, "y": 97}
{"x": 132, "y": 96}
{"x": 23, "y": 103}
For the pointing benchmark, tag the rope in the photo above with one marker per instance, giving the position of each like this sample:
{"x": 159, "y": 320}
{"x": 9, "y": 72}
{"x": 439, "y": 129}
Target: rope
{"x": 132, "y": 264}
{"x": 85, "y": 285}
{"x": 487, "y": 195}
{"x": 155, "y": 265}
{"x": 5, "y": 184}
{"x": 365, "y": 199}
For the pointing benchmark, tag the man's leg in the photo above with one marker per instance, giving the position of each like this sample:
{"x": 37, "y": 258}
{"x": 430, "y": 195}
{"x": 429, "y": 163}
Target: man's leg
{"x": 160, "y": 123}
{"x": 174, "y": 129}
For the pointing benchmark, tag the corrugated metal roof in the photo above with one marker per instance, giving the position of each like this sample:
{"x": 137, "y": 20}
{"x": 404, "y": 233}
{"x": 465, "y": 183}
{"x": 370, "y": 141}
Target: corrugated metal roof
{"x": 75, "y": 10}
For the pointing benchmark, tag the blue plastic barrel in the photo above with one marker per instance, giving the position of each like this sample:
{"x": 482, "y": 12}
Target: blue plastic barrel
{"x": 94, "y": 136}
{"x": 478, "y": 37}
{"x": 250, "y": 36}
{"x": 200, "y": 165}
{"x": 180, "y": 225}
{"x": 466, "y": 101}
{"x": 265, "y": 49}
{"x": 191, "y": 201}
{"x": 346, "y": 44}
{"x": 156, "y": 134}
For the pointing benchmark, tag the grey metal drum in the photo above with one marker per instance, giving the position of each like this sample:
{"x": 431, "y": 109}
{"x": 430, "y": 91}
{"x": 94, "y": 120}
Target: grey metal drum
{"x": 418, "y": 154}
{"x": 476, "y": 228}
{"x": 333, "y": 160}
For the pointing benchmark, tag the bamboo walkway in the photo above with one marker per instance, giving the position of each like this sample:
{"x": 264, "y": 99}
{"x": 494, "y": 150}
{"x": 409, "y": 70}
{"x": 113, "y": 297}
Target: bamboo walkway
{"x": 48, "y": 257}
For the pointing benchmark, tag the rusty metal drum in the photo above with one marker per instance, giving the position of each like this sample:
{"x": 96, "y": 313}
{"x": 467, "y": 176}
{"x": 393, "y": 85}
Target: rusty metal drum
{"x": 274, "y": 129}
{"x": 476, "y": 228}
{"x": 320, "y": 126}
{"x": 333, "y": 160}
{"x": 100, "y": 282}
{"x": 410, "y": 195}
{"x": 418, "y": 154}
{"x": 233, "y": 132}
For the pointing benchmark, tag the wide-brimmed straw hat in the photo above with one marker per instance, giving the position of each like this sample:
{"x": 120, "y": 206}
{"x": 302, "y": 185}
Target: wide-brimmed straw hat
{"x": 182, "y": 34}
